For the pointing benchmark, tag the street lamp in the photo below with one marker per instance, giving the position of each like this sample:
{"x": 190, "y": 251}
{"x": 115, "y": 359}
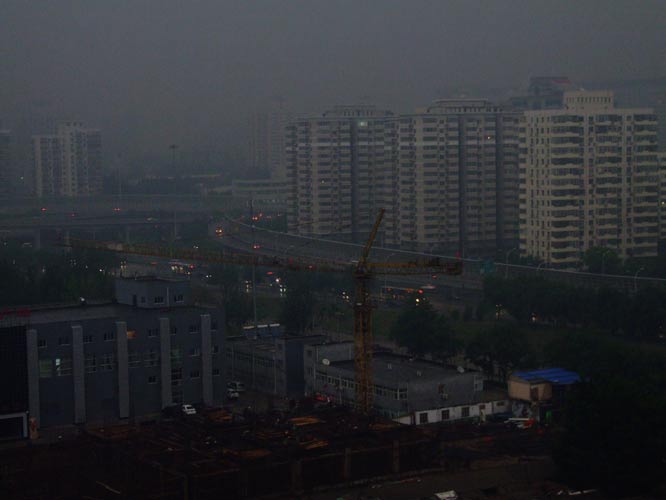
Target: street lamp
{"x": 506, "y": 261}
{"x": 603, "y": 260}
{"x": 636, "y": 279}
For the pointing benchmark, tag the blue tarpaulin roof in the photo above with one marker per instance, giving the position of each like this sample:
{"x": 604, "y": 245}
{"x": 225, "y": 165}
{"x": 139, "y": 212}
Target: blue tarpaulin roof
{"x": 554, "y": 375}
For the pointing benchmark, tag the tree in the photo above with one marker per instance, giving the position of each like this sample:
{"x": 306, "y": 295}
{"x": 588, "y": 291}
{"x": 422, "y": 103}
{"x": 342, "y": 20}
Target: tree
{"x": 421, "y": 330}
{"x": 503, "y": 346}
{"x": 602, "y": 260}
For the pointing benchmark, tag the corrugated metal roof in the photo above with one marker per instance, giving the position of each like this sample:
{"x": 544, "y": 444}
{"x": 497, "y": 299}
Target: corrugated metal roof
{"x": 553, "y": 375}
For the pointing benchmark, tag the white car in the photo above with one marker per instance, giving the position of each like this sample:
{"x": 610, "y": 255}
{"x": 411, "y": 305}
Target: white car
{"x": 232, "y": 394}
{"x": 188, "y": 410}
{"x": 236, "y": 386}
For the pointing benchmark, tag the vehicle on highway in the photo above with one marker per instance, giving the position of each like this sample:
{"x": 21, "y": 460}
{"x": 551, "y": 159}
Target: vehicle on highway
{"x": 188, "y": 409}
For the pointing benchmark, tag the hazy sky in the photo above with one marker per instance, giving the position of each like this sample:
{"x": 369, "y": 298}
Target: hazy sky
{"x": 150, "y": 73}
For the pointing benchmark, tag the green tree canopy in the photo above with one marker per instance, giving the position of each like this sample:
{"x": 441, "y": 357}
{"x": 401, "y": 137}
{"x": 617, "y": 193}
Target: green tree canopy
{"x": 421, "y": 330}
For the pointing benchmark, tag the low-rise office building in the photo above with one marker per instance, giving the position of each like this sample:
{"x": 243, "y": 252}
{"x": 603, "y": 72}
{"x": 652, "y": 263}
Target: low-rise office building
{"x": 268, "y": 362}
{"x": 149, "y": 349}
{"x": 408, "y": 390}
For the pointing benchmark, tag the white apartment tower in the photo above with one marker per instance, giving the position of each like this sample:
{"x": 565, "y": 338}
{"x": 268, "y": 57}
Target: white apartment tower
{"x": 589, "y": 177}
{"x": 69, "y": 162}
{"x": 267, "y": 140}
{"x": 331, "y": 171}
{"x": 456, "y": 178}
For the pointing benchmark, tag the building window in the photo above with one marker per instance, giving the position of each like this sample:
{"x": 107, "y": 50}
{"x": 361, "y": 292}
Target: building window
{"x": 143, "y": 300}
{"x": 63, "y": 340}
{"x": 213, "y": 325}
{"x": 90, "y": 364}
{"x": 195, "y": 352}
{"x": 464, "y": 412}
{"x": 216, "y": 349}
{"x": 151, "y": 358}
{"x": 176, "y": 357}
{"x": 45, "y": 368}
{"x": 152, "y": 332}
{"x": 131, "y": 334}
{"x": 499, "y": 404}
{"x": 107, "y": 362}
{"x": 109, "y": 336}
{"x": 178, "y": 298}
{"x": 152, "y": 379}
{"x": 482, "y": 407}
{"x": 159, "y": 300}
{"x": 174, "y": 331}
{"x": 176, "y": 377}
{"x": 195, "y": 374}
{"x": 87, "y": 339}
{"x": 446, "y": 415}
{"x": 41, "y": 344}
{"x": 134, "y": 359}
{"x": 309, "y": 353}
{"x": 423, "y": 418}
{"x": 193, "y": 329}
{"x": 63, "y": 366}
{"x": 216, "y": 372}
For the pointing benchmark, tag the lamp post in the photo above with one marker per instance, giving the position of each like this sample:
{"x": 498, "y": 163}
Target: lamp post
{"x": 636, "y": 279}
{"x": 506, "y": 262}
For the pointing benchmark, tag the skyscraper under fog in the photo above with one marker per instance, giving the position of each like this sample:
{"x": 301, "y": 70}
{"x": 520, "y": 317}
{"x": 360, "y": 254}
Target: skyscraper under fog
{"x": 69, "y": 162}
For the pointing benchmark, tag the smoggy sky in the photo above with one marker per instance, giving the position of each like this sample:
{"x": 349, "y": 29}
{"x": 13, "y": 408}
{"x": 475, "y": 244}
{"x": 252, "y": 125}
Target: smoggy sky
{"x": 150, "y": 73}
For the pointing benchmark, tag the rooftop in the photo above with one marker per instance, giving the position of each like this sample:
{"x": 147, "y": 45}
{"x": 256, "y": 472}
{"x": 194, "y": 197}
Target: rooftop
{"x": 558, "y": 376}
{"x": 394, "y": 368}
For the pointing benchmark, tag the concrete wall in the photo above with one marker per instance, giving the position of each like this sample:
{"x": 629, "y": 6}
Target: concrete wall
{"x": 123, "y": 376}
{"x": 522, "y": 390}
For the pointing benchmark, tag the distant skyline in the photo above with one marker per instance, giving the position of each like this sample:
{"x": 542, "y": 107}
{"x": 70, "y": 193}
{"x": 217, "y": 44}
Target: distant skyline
{"x": 153, "y": 73}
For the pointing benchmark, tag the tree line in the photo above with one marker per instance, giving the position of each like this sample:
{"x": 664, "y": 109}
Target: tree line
{"x": 535, "y": 299}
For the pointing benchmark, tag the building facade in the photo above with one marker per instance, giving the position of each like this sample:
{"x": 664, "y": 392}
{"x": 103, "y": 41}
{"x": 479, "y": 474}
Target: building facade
{"x": 6, "y": 163}
{"x": 271, "y": 363}
{"x": 456, "y": 178}
{"x": 69, "y": 162}
{"x": 331, "y": 167}
{"x": 129, "y": 359}
{"x": 589, "y": 177}
{"x": 447, "y": 176}
{"x": 267, "y": 139}
{"x": 408, "y": 390}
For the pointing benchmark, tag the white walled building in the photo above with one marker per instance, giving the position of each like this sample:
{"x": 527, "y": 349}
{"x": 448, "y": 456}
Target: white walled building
{"x": 69, "y": 162}
{"x": 589, "y": 177}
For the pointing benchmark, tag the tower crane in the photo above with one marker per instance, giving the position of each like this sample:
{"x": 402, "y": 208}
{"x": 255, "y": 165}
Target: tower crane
{"x": 363, "y": 271}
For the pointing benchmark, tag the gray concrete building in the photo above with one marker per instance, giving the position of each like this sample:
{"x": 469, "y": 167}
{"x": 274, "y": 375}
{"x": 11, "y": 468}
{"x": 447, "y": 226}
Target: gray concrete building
{"x": 408, "y": 390}
{"x": 271, "y": 363}
{"x": 129, "y": 359}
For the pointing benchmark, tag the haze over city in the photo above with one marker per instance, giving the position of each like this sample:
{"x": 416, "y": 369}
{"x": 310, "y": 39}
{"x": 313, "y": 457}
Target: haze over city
{"x": 333, "y": 250}
{"x": 154, "y": 73}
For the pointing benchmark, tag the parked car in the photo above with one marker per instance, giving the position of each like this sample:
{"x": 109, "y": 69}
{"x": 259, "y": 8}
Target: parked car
{"x": 232, "y": 394}
{"x": 188, "y": 409}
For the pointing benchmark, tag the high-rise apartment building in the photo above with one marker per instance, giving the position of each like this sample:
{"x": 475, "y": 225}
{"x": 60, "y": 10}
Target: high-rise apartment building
{"x": 456, "y": 178}
{"x": 332, "y": 164}
{"x": 6, "y": 164}
{"x": 589, "y": 177}
{"x": 446, "y": 175}
{"x": 69, "y": 162}
{"x": 267, "y": 139}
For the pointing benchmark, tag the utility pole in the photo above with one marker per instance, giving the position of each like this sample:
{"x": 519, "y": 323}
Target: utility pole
{"x": 254, "y": 267}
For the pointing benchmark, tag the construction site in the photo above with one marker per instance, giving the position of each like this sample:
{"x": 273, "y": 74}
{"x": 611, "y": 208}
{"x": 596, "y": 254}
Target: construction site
{"x": 272, "y": 455}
